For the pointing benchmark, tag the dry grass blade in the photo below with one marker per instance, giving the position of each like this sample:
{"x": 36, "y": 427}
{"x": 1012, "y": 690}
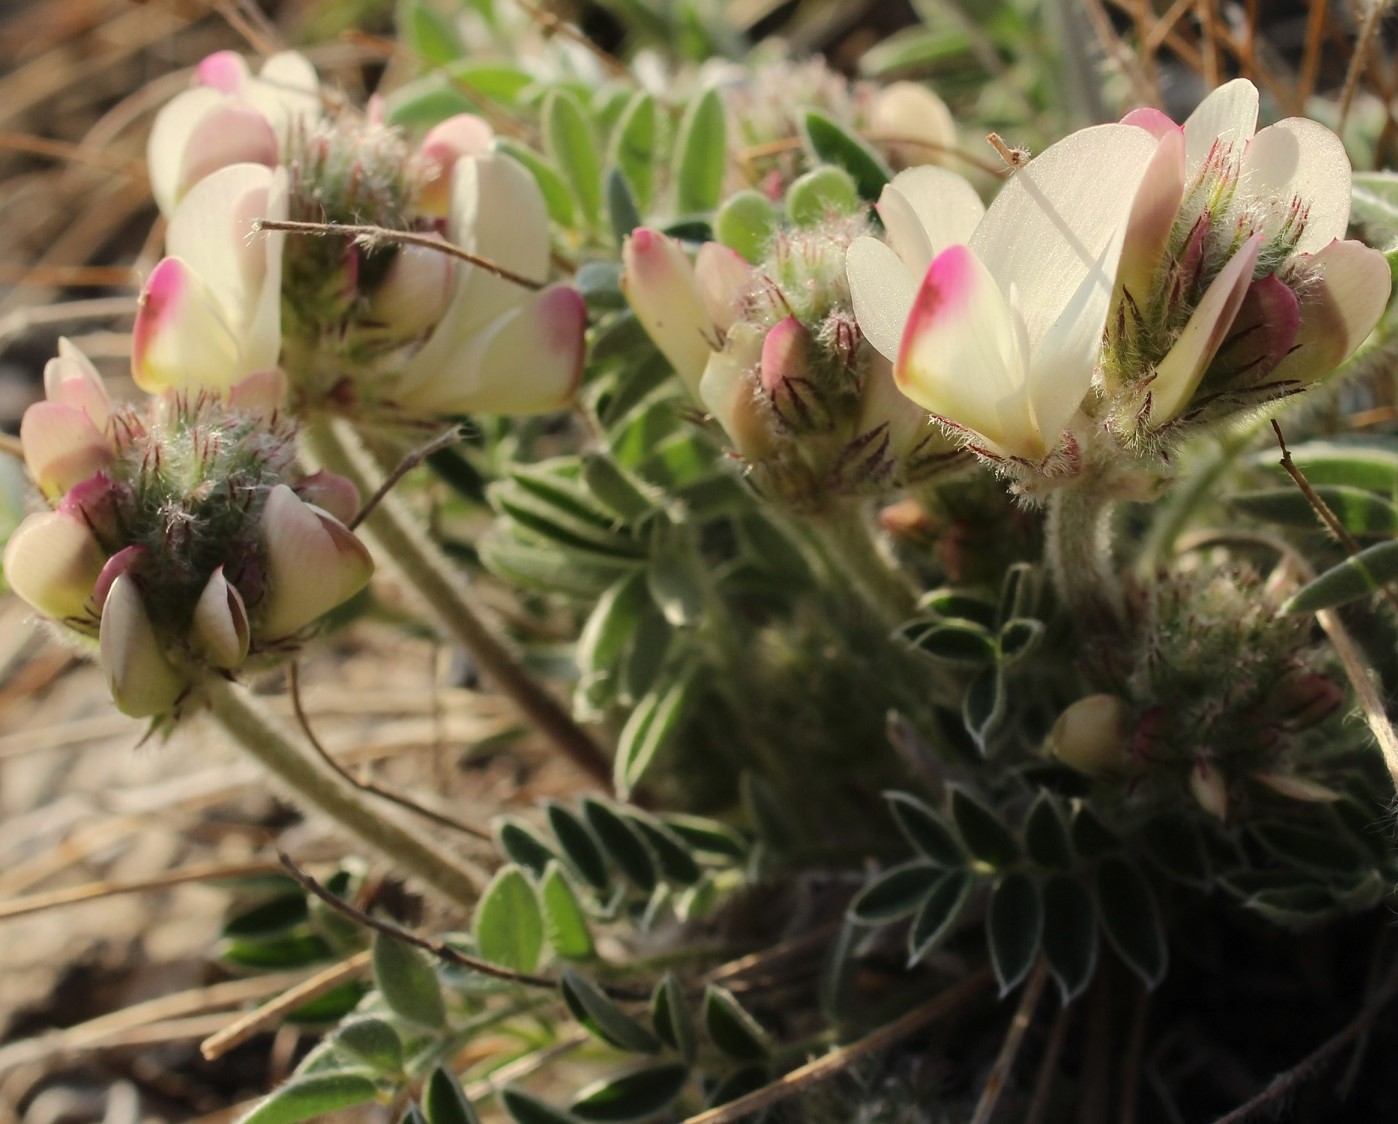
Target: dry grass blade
{"x": 94, "y": 891}
{"x": 239, "y": 1031}
{"x": 1009, "y": 1049}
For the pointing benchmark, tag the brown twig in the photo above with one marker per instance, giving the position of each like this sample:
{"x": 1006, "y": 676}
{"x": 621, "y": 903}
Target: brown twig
{"x": 255, "y": 1021}
{"x": 1310, "y": 58}
{"x": 1009, "y": 1049}
{"x": 367, "y": 235}
{"x": 65, "y": 276}
{"x": 1359, "y": 61}
{"x": 93, "y": 891}
{"x": 405, "y": 466}
{"x": 441, "y": 951}
{"x": 1322, "y": 509}
{"x": 1048, "y": 1065}
{"x": 73, "y": 153}
{"x": 303, "y": 720}
{"x": 837, "y": 1061}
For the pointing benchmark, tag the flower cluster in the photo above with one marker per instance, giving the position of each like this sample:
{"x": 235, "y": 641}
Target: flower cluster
{"x": 181, "y": 537}
{"x": 374, "y": 328}
{"x": 773, "y": 353}
{"x": 1209, "y": 258}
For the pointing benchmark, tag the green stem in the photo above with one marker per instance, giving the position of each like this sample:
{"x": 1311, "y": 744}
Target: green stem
{"x": 1079, "y": 554}
{"x": 847, "y": 540}
{"x": 438, "y": 583}
{"x": 265, "y": 738}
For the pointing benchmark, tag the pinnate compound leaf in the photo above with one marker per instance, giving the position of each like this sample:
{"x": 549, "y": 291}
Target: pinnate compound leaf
{"x": 1046, "y": 835}
{"x": 579, "y": 846}
{"x": 408, "y": 982}
{"x": 938, "y": 914}
{"x": 1013, "y": 925}
{"x": 622, "y": 843}
{"x": 638, "y": 1094}
{"x": 633, "y": 147}
{"x": 1131, "y": 919}
{"x": 731, "y": 1028}
{"x": 983, "y": 832}
{"x": 509, "y": 926}
{"x": 444, "y": 1101}
{"x": 602, "y": 1017}
{"x": 894, "y": 894}
{"x": 671, "y": 1018}
{"x": 372, "y": 1041}
{"x": 925, "y": 830}
{"x": 1070, "y": 935}
{"x": 311, "y": 1096}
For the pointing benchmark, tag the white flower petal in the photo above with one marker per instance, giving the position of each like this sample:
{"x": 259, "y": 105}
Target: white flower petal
{"x": 724, "y": 278}
{"x": 660, "y": 286}
{"x": 909, "y": 111}
{"x": 904, "y": 230}
{"x": 286, "y": 91}
{"x": 882, "y": 289}
{"x": 61, "y": 446}
{"x": 70, "y": 378}
{"x": 1297, "y": 158}
{"x": 313, "y": 564}
{"x": 169, "y": 134}
{"x": 232, "y": 133}
{"x": 1152, "y": 217}
{"x": 945, "y": 203}
{"x": 1053, "y": 223}
{"x": 1227, "y": 116}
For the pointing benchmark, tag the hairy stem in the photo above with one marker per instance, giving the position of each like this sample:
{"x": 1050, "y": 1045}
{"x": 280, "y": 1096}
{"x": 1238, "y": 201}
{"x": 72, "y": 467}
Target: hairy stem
{"x": 1079, "y": 554}
{"x": 847, "y": 541}
{"x": 265, "y": 738}
{"x": 436, "y": 582}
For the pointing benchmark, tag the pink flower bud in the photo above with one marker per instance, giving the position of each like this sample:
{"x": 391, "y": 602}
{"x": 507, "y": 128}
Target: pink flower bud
{"x": 139, "y": 676}
{"x": 124, "y": 562}
{"x": 786, "y": 356}
{"x": 446, "y": 143}
{"x": 95, "y": 502}
{"x": 221, "y": 629}
{"x": 729, "y": 389}
{"x": 910, "y": 112}
{"x": 52, "y": 562}
{"x": 70, "y": 379}
{"x": 330, "y": 492}
{"x": 1093, "y": 736}
{"x": 659, "y": 284}
{"x": 313, "y": 564}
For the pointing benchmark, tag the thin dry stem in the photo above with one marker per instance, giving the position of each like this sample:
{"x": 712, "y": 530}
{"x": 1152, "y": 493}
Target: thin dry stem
{"x": 839, "y": 1060}
{"x": 1359, "y": 61}
{"x": 405, "y": 466}
{"x": 1048, "y": 1065}
{"x": 1310, "y": 59}
{"x": 254, "y": 1022}
{"x": 93, "y": 891}
{"x": 368, "y": 235}
{"x": 1009, "y": 1049}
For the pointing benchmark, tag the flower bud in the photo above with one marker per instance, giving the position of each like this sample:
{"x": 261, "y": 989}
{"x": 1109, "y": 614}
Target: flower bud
{"x": 1209, "y": 788}
{"x": 445, "y": 144}
{"x": 415, "y": 291}
{"x": 913, "y": 124}
{"x": 330, "y": 492}
{"x": 1093, "y": 736}
{"x": 61, "y": 446}
{"x": 52, "y": 562}
{"x": 221, "y": 629}
{"x": 313, "y": 564}
{"x": 140, "y": 678}
{"x": 659, "y": 284}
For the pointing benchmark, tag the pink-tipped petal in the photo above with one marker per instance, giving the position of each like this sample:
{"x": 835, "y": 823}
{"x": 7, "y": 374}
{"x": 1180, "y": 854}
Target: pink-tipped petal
{"x": 659, "y": 284}
{"x": 220, "y": 629}
{"x": 1227, "y": 117}
{"x": 1302, "y": 160}
{"x": 71, "y": 379}
{"x": 1177, "y": 376}
{"x": 724, "y": 277}
{"x": 1152, "y": 218}
{"x": 96, "y": 504}
{"x": 729, "y": 392}
{"x": 232, "y": 133}
{"x": 313, "y": 564}
{"x": 528, "y": 362}
{"x": 1347, "y": 294}
{"x": 445, "y": 144}
{"x": 330, "y": 492}
{"x": 1157, "y": 124}
{"x": 128, "y": 560}
{"x": 52, "y": 562}
{"x": 169, "y": 135}
{"x": 61, "y": 446}
{"x": 140, "y": 678}
{"x": 223, "y": 70}
{"x": 786, "y": 354}
{"x": 963, "y": 355}
{"x": 181, "y": 338}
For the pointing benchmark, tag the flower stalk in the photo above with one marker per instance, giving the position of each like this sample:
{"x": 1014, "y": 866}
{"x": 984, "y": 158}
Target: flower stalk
{"x": 1078, "y": 548}
{"x": 430, "y": 574}
{"x": 845, "y": 538}
{"x": 268, "y": 741}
